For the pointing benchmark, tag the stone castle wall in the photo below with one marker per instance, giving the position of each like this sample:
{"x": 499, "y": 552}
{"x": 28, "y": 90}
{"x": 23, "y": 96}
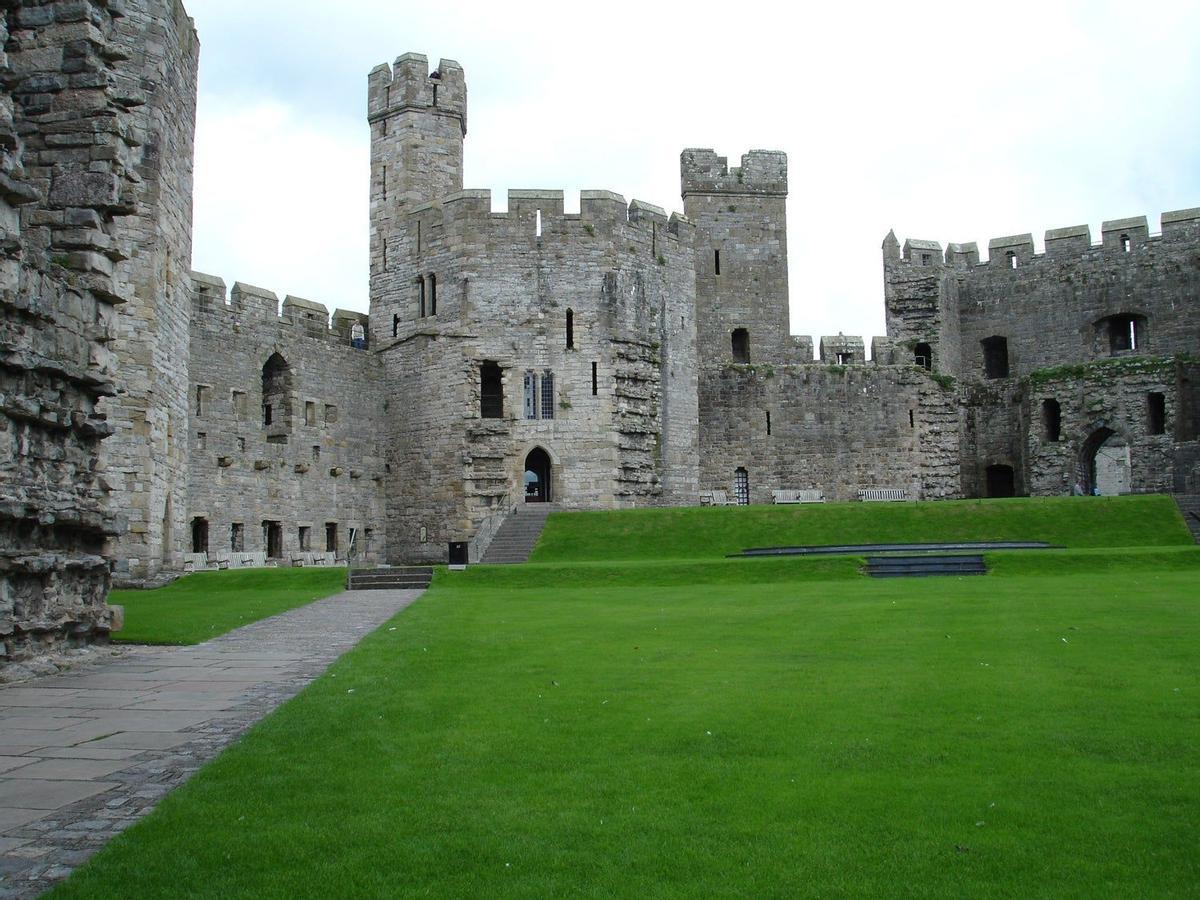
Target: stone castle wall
{"x": 69, "y": 154}
{"x": 317, "y": 463}
{"x": 147, "y": 457}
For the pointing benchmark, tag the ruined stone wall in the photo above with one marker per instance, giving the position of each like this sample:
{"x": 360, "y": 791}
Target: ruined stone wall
{"x": 318, "y": 461}
{"x": 621, "y": 428}
{"x": 1113, "y": 395}
{"x": 68, "y": 150}
{"x": 147, "y": 457}
{"x": 837, "y": 429}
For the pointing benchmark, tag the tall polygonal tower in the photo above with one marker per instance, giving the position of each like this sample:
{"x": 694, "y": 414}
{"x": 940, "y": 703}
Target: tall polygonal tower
{"x": 741, "y": 254}
{"x": 418, "y": 120}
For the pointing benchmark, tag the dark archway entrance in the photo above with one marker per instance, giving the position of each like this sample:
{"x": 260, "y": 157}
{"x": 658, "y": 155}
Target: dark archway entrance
{"x": 537, "y": 476}
{"x": 1105, "y": 464}
{"x": 1001, "y": 481}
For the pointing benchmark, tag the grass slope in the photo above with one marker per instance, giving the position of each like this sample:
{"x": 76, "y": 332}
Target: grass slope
{"x": 697, "y": 533}
{"x": 817, "y": 735}
{"x": 206, "y": 604}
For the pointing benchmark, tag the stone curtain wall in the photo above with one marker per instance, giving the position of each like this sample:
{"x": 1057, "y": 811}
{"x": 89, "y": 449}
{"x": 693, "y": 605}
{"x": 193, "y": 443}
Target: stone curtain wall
{"x": 297, "y": 471}
{"x": 68, "y": 153}
{"x": 147, "y": 457}
{"x": 833, "y": 428}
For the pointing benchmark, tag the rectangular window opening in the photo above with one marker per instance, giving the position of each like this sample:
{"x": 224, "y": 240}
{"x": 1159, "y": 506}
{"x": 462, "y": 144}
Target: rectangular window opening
{"x": 1156, "y": 409}
{"x": 716, "y": 262}
{"x": 768, "y": 423}
{"x": 238, "y": 399}
{"x": 595, "y": 379}
{"x": 491, "y": 391}
{"x": 538, "y": 224}
{"x": 331, "y": 537}
{"x": 310, "y": 413}
{"x": 237, "y": 537}
{"x": 305, "y": 538}
{"x": 530, "y": 395}
{"x": 547, "y": 395}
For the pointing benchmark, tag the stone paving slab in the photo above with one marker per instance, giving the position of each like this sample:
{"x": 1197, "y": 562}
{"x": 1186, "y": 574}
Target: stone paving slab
{"x": 85, "y": 754}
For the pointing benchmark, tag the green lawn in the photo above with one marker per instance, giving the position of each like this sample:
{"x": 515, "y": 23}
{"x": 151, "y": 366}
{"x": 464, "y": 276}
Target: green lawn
{"x": 696, "y": 533}
{"x": 756, "y": 728}
{"x": 201, "y": 606}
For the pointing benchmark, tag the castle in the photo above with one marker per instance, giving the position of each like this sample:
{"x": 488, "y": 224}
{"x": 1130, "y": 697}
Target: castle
{"x": 614, "y": 357}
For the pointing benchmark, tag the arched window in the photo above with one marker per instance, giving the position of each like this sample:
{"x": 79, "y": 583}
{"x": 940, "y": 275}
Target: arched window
{"x": 923, "y": 356}
{"x": 1126, "y": 333}
{"x": 995, "y": 356}
{"x": 277, "y": 391}
{"x": 1051, "y": 420}
{"x": 570, "y": 329}
{"x": 740, "y": 340}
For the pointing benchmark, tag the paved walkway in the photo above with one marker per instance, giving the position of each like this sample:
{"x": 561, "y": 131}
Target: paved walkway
{"x": 86, "y": 753}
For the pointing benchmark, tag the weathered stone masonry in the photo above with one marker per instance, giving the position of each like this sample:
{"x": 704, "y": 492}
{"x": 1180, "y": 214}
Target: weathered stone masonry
{"x": 70, "y": 147}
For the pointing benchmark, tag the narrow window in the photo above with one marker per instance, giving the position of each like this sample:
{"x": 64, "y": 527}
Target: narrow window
{"x": 741, "y": 486}
{"x": 740, "y": 341}
{"x": 433, "y": 295}
{"x": 418, "y": 235}
{"x": 537, "y": 225}
{"x": 547, "y": 395}
{"x": 912, "y": 419}
{"x": 530, "y": 395}
{"x": 768, "y": 423}
{"x": 316, "y": 452}
{"x": 716, "y": 262}
{"x": 1156, "y": 409}
{"x": 1125, "y": 243}
{"x": 331, "y": 414}
{"x": 310, "y": 413}
{"x": 420, "y": 297}
{"x": 383, "y": 255}
{"x": 331, "y": 541}
{"x": 201, "y": 440}
{"x": 1051, "y": 420}
{"x": 923, "y": 356}
{"x": 305, "y": 538}
{"x": 653, "y": 239}
{"x": 395, "y": 325}
{"x": 570, "y": 329}
{"x": 237, "y": 537}
{"x": 435, "y": 87}
{"x": 267, "y": 416}
{"x": 241, "y": 442}
{"x": 1012, "y": 259}
{"x": 201, "y": 400}
{"x": 239, "y": 403}
{"x": 595, "y": 380}
{"x": 491, "y": 391}
{"x": 277, "y": 391}
{"x": 199, "y": 535}
{"x": 995, "y": 357}
{"x": 926, "y": 259}
{"x": 384, "y": 185}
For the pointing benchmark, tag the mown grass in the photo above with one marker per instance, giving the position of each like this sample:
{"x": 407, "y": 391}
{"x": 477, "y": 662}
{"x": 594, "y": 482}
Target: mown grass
{"x": 698, "y": 533}
{"x": 764, "y": 728}
{"x": 207, "y": 604}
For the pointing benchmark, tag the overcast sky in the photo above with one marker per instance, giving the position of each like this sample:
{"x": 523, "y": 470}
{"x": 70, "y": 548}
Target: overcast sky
{"x": 946, "y": 121}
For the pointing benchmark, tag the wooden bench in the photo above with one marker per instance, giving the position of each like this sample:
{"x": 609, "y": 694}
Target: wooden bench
{"x": 882, "y": 495}
{"x": 716, "y": 498}
{"x": 797, "y": 497}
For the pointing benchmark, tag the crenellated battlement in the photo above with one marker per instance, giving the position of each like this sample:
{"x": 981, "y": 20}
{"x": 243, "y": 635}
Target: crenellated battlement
{"x": 247, "y": 303}
{"x": 1014, "y": 251}
{"x": 762, "y": 172}
{"x": 409, "y": 85}
{"x": 599, "y": 211}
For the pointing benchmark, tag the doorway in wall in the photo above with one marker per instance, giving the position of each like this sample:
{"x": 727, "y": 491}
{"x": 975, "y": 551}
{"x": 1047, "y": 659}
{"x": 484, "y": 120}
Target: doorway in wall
{"x": 1001, "y": 482}
{"x": 537, "y": 476}
{"x": 1106, "y": 464}
{"x": 273, "y": 539}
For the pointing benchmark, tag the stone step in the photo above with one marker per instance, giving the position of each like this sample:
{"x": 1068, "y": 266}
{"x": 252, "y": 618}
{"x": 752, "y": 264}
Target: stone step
{"x": 1189, "y": 505}
{"x": 518, "y": 535}
{"x": 407, "y": 579}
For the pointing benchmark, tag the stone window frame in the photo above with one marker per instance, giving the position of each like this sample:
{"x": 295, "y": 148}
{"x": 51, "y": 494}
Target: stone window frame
{"x": 739, "y": 345}
{"x": 995, "y": 366}
{"x": 310, "y": 413}
{"x": 202, "y": 398}
{"x": 1051, "y": 420}
{"x": 239, "y": 403}
{"x": 1156, "y": 413}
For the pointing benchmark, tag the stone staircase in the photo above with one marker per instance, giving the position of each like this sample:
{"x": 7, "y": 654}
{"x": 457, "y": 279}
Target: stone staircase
{"x": 388, "y": 578}
{"x": 1189, "y": 505}
{"x": 518, "y": 535}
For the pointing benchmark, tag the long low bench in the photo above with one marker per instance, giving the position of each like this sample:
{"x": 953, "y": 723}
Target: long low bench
{"x": 882, "y": 495}
{"x": 716, "y": 498}
{"x": 797, "y": 497}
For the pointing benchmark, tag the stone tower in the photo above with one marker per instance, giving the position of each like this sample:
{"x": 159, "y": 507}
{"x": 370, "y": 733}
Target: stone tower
{"x": 741, "y": 254}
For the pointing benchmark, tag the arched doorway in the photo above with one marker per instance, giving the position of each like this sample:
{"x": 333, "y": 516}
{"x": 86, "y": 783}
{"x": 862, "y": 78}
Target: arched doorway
{"x": 537, "y": 476}
{"x": 1105, "y": 464}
